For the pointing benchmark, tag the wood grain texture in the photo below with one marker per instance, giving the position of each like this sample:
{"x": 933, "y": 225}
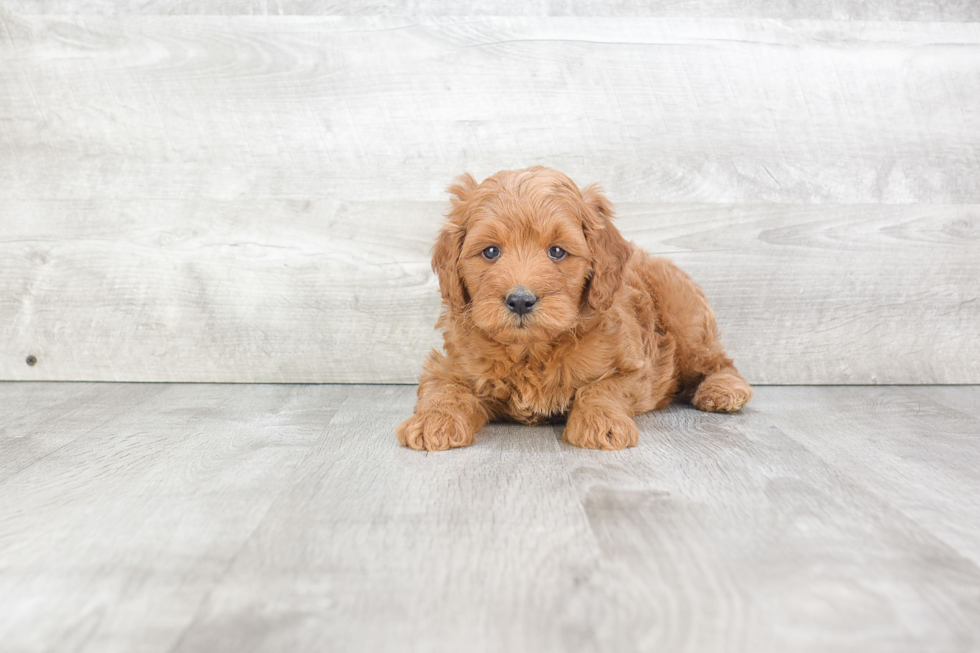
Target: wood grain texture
{"x": 738, "y": 534}
{"x": 233, "y": 518}
{"x": 238, "y": 198}
{"x": 69, "y": 410}
{"x": 390, "y": 109}
{"x": 319, "y": 291}
{"x": 932, "y": 10}
{"x": 881, "y": 445}
{"x": 436, "y": 553}
{"x": 112, "y": 540}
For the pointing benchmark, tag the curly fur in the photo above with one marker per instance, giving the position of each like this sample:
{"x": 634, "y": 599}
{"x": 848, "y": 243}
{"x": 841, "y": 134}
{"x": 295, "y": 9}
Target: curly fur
{"x": 615, "y": 332}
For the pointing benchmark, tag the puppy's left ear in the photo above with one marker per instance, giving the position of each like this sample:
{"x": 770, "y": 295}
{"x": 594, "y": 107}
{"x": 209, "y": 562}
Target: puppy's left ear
{"x": 610, "y": 251}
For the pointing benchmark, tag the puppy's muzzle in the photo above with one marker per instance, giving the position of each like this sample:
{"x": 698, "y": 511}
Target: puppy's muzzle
{"x": 521, "y": 301}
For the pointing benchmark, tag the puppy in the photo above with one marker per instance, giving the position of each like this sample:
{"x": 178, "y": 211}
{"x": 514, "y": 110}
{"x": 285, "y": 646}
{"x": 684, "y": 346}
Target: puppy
{"x": 550, "y": 315}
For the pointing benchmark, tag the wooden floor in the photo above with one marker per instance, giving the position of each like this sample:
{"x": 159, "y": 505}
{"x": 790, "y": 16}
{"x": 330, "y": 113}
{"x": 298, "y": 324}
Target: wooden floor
{"x": 286, "y": 518}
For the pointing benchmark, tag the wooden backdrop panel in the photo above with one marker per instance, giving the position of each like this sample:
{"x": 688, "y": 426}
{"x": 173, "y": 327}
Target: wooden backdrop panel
{"x": 302, "y": 291}
{"x": 374, "y": 108}
{"x": 239, "y": 198}
{"x": 929, "y": 10}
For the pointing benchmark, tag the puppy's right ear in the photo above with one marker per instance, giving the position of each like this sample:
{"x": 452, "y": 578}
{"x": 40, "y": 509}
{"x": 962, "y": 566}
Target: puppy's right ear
{"x": 449, "y": 244}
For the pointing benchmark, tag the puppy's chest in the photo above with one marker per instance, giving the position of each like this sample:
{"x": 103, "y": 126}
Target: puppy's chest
{"x": 530, "y": 393}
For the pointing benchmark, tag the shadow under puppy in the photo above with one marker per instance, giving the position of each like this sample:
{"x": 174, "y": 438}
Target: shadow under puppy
{"x": 549, "y": 314}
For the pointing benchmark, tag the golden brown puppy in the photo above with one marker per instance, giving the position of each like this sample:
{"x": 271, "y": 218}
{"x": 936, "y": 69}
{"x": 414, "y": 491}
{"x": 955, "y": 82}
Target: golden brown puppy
{"x": 549, "y": 313}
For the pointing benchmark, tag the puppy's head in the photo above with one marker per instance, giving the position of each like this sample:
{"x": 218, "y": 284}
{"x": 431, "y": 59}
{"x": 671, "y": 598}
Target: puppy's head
{"x": 527, "y": 254}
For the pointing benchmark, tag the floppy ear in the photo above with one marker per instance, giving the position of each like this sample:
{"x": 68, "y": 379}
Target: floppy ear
{"x": 610, "y": 251}
{"x": 449, "y": 243}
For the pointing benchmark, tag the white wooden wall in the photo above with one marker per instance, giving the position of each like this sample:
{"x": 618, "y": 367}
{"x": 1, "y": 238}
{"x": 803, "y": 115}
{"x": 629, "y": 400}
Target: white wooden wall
{"x": 212, "y": 190}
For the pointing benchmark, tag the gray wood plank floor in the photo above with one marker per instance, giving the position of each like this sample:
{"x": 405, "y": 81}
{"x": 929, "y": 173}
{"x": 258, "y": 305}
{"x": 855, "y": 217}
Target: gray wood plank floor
{"x": 286, "y": 518}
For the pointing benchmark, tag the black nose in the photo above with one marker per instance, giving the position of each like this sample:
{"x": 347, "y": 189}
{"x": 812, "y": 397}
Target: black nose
{"x": 520, "y": 301}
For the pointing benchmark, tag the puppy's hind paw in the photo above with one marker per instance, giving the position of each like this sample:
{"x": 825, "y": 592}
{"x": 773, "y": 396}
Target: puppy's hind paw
{"x": 722, "y": 392}
{"x": 434, "y": 431}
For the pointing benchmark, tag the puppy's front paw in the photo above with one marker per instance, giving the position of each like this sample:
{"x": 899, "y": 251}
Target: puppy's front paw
{"x": 435, "y": 431}
{"x": 599, "y": 429}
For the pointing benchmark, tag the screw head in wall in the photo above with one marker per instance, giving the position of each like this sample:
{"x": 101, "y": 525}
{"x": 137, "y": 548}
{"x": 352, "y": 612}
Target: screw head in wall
{"x": 32, "y": 360}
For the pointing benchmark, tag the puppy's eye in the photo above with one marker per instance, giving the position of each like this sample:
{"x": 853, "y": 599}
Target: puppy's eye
{"x": 491, "y": 253}
{"x": 556, "y": 253}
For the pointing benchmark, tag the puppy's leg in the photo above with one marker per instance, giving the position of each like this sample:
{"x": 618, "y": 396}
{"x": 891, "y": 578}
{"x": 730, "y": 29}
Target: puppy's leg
{"x": 447, "y": 415}
{"x": 707, "y": 377}
{"x": 711, "y": 381}
{"x": 600, "y": 418}
{"x": 713, "y": 384}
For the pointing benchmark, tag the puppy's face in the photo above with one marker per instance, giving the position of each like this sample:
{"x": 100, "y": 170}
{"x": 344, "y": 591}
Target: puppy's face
{"x": 524, "y": 251}
{"x": 525, "y": 266}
